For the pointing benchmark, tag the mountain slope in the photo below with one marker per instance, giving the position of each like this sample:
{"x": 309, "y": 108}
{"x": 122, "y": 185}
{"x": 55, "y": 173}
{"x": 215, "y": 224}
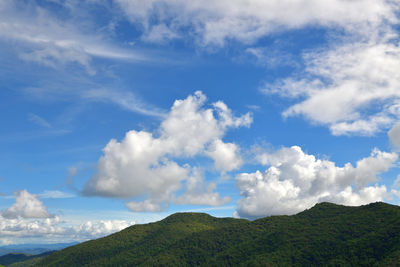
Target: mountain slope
{"x": 12, "y": 258}
{"x": 33, "y": 249}
{"x": 326, "y": 234}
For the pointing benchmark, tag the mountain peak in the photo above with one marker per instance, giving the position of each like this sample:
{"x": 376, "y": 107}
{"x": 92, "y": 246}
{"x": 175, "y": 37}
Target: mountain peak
{"x": 189, "y": 217}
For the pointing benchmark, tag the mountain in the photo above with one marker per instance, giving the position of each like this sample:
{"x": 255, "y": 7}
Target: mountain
{"x": 325, "y": 235}
{"x": 12, "y": 259}
{"x": 33, "y": 249}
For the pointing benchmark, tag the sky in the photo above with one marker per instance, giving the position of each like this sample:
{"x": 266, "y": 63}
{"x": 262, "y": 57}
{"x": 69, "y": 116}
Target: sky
{"x": 121, "y": 112}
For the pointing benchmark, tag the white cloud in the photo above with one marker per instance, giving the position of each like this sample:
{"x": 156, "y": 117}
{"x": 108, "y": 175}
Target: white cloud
{"x": 195, "y": 192}
{"x": 26, "y": 206}
{"x": 84, "y": 90}
{"x": 295, "y": 181}
{"x": 225, "y": 155}
{"x": 214, "y": 22}
{"x": 271, "y": 57}
{"x": 28, "y": 219}
{"x": 125, "y": 99}
{"x": 23, "y": 227}
{"x": 394, "y": 135}
{"x": 40, "y": 36}
{"x": 95, "y": 229}
{"x": 52, "y": 55}
{"x": 56, "y": 230}
{"x": 198, "y": 193}
{"x": 353, "y": 87}
{"x": 144, "y": 206}
{"x": 133, "y": 167}
{"x": 142, "y": 164}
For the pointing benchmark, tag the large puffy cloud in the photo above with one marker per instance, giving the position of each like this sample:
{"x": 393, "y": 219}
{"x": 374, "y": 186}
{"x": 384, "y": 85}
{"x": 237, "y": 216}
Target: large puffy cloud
{"x": 213, "y": 22}
{"x": 295, "y": 181}
{"x": 143, "y": 164}
{"x": 26, "y": 206}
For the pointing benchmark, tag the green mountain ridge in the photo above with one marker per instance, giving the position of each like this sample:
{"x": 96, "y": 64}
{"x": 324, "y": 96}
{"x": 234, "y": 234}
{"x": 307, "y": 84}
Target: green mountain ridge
{"x": 325, "y": 235}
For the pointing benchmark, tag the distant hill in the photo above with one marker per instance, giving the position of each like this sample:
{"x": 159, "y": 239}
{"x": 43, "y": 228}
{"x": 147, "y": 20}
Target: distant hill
{"x": 33, "y": 249}
{"x": 14, "y": 258}
{"x": 325, "y": 235}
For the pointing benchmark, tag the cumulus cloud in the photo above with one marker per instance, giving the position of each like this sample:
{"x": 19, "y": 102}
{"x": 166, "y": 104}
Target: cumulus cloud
{"x": 26, "y": 206}
{"x": 214, "y": 22}
{"x": 28, "y": 218}
{"x": 199, "y": 193}
{"x": 56, "y": 230}
{"x": 144, "y": 164}
{"x": 225, "y": 155}
{"x": 23, "y": 227}
{"x": 295, "y": 181}
{"x": 95, "y": 229}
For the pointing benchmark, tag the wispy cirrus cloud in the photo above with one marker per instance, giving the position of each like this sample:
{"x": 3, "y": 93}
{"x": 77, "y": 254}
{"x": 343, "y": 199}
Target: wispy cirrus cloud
{"x": 217, "y": 22}
{"x": 82, "y": 90}
{"x": 40, "y": 36}
{"x": 125, "y": 99}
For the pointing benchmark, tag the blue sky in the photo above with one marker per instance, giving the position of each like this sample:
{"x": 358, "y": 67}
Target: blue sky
{"x": 121, "y": 112}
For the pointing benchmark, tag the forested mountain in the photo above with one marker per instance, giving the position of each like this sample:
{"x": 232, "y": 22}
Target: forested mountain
{"x": 21, "y": 259}
{"x": 33, "y": 249}
{"x": 325, "y": 235}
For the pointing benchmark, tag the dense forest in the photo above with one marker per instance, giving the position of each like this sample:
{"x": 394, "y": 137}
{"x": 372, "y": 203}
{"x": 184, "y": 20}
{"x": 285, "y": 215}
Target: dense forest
{"x": 21, "y": 259}
{"x": 325, "y": 235}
